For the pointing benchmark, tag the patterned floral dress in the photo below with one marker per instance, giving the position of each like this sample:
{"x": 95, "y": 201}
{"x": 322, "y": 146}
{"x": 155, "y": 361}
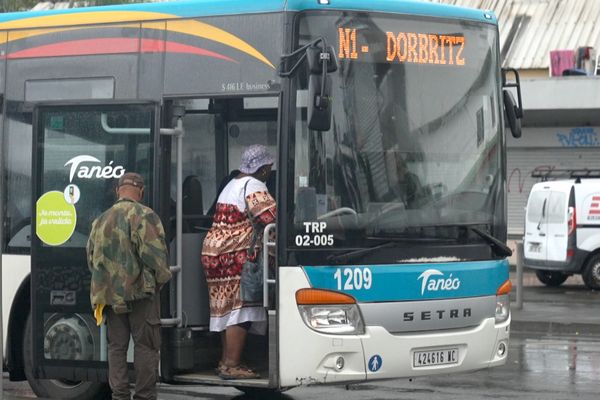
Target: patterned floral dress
{"x": 225, "y": 250}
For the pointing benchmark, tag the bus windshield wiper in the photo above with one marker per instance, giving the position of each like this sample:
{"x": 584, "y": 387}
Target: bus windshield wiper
{"x": 388, "y": 241}
{"x": 497, "y": 246}
{"x": 346, "y": 257}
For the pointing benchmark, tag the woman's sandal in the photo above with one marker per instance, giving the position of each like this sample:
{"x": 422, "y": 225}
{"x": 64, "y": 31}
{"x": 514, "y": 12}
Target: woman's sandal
{"x": 219, "y": 368}
{"x": 237, "y": 372}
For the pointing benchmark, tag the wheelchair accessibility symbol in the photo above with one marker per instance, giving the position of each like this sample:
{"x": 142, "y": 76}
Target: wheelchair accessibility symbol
{"x": 375, "y": 363}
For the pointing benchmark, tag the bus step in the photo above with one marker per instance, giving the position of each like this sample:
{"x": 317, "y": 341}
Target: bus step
{"x": 209, "y": 377}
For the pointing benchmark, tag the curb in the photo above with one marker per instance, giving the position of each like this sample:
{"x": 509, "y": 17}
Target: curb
{"x": 555, "y": 328}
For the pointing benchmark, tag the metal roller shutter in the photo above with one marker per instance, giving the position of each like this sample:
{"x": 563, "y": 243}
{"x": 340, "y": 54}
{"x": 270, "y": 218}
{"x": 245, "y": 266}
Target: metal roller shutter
{"x": 523, "y": 161}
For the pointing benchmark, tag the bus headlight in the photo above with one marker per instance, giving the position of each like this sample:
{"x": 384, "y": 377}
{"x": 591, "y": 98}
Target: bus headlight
{"x": 502, "y": 308}
{"x": 340, "y": 319}
{"x": 331, "y": 312}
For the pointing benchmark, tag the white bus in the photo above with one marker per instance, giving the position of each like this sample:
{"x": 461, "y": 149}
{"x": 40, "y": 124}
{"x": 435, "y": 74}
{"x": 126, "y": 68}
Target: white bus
{"x": 387, "y": 119}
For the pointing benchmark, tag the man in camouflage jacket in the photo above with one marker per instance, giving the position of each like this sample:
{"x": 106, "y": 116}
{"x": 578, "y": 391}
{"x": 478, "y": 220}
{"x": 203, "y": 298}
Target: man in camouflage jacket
{"x": 127, "y": 256}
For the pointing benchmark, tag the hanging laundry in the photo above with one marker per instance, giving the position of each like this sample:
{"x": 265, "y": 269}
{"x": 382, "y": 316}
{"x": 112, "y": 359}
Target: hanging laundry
{"x": 561, "y": 60}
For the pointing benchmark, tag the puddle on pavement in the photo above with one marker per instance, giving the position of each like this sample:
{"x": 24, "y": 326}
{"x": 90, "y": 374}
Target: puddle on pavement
{"x": 577, "y": 357}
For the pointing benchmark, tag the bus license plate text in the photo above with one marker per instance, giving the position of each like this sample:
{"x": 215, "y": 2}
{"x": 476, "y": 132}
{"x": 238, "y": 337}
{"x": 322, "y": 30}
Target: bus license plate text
{"x": 435, "y": 357}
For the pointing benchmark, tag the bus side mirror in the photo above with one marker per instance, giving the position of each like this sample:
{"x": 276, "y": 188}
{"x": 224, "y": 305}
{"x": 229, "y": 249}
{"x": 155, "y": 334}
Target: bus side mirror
{"x": 320, "y": 62}
{"x": 512, "y": 114}
{"x": 514, "y": 110}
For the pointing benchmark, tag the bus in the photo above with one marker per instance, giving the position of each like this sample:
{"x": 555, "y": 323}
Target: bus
{"x": 388, "y": 120}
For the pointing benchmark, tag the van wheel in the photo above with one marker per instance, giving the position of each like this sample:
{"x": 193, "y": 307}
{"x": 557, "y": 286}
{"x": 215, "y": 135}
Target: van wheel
{"x": 58, "y": 388}
{"x": 551, "y": 278}
{"x": 591, "y": 273}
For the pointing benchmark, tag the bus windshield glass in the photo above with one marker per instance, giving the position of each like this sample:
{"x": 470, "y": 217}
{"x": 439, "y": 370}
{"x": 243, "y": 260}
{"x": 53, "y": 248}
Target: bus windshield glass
{"x": 415, "y": 147}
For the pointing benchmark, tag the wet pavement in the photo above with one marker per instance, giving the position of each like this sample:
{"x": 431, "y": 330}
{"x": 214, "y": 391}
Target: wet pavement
{"x": 569, "y": 309}
{"x": 15, "y": 390}
{"x": 554, "y": 354}
{"x": 538, "y": 368}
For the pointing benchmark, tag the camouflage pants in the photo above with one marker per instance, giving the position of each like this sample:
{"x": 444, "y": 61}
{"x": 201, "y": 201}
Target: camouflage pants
{"x": 143, "y": 324}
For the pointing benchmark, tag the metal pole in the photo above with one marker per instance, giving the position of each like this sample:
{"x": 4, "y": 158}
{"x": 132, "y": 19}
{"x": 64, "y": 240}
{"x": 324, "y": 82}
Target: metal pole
{"x": 178, "y": 132}
{"x": 1, "y": 240}
{"x": 519, "y": 304}
{"x": 179, "y": 221}
{"x": 1, "y": 269}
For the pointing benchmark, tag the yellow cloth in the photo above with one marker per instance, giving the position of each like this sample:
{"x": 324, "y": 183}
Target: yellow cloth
{"x": 98, "y": 313}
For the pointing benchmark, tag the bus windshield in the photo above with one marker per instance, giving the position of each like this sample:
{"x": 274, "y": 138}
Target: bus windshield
{"x": 414, "y": 149}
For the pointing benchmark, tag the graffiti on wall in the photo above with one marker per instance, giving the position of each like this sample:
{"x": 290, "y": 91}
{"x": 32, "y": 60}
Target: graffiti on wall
{"x": 579, "y": 137}
{"x": 516, "y": 178}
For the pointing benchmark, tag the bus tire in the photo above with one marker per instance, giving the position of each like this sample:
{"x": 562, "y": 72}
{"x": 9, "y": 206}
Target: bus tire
{"x": 551, "y": 278}
{"x": 591, "y": 273}
{"x": 55, "y": 388}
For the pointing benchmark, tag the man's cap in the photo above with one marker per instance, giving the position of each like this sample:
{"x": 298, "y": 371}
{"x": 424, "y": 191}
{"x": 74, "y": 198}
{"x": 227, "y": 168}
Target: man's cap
{"x": 131, "y": 178}
{"x": 255, "y": 157}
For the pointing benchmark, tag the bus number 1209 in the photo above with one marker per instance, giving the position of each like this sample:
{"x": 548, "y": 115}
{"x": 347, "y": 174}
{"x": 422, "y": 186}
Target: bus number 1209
{"x": 353, "y": 278}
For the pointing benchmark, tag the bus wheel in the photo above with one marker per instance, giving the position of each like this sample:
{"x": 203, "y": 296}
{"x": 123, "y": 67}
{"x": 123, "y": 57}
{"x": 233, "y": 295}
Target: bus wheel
{"x": 261, "y": 393}
{"x": 57, "y": 388}
{"x": 591, "y": 273}
{"x": 551, "y": 278}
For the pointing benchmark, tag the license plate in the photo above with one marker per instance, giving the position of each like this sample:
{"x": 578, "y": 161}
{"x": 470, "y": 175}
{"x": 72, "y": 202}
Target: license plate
{"x": 435, "y": 357}
{"x": 535, "y": 248}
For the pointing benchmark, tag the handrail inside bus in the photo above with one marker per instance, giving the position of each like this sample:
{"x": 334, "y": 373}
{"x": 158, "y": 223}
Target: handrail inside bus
{"x": 121, "y": 131}
{"x": 266, "y": 280}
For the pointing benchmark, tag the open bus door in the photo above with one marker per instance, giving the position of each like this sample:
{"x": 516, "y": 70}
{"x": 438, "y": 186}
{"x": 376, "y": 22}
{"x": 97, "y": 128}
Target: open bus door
{"x": 79, "y": 152}
{"x": 216, "y": 132}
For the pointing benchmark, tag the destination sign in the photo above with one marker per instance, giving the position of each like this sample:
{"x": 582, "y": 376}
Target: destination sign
{"x": 405, "y": 47}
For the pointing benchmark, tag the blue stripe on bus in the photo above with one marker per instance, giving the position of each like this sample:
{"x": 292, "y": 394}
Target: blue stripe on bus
{"x": 409, "y": 282}
{"x": 413, "y": 7}
{"x": 199, "y": 8}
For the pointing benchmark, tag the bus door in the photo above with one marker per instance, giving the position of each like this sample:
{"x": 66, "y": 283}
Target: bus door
{"x": 216, "y": 131}
{"x": 79, "y": 152}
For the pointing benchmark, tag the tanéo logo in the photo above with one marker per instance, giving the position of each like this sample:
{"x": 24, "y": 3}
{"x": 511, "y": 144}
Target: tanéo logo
{"x": 434, "y": 280}
{"x": 83, "y": 171}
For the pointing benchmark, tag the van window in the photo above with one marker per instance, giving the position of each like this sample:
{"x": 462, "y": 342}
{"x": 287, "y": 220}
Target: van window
{"x": 536, "y": 204}
{"x": 557, "y": 207}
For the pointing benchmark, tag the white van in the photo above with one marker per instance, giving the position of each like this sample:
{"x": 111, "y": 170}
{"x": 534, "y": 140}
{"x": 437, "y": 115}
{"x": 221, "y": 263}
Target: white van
{"x": 562, "y": 231}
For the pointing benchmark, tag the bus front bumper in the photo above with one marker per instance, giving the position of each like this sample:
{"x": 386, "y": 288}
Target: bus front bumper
{"x": 404, "y": 355}
{"x": 378, "y": 354}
